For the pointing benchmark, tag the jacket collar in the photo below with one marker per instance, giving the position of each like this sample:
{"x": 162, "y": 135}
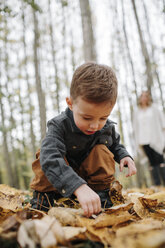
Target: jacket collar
{"x": 74, "y": 128}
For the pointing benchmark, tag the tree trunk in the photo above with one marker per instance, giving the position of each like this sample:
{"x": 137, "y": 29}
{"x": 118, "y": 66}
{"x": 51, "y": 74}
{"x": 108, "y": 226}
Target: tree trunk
{"x": 31, "y": 116}
{"x": 40, "y": 93}
{"x": 72, "y": 51}
{"x": 56, "y": 82}
{"x": 128, "y": 52}
{"x": 12, "y": 121}
{"x": 144, "y": 50}
{"x": 153, "y": 58}
{"x": 64, "y": 13}
{"x": 6, "y": 154}
{"x": 5, "y": 146}
{"x": 88, "y": 36}
{"x": 24, "y": 160}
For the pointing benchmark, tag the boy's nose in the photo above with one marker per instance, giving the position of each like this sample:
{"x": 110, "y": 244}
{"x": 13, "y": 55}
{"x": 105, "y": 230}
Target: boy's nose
{"x": 94, "y": 126}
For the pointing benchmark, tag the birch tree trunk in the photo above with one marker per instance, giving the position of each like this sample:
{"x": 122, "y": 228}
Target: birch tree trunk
{"x": 144, "y": 50}
{"x": 40, "y": 93}
{"x": 6, "y": 154}
{"x": 24, "y": 161}
{"x": 72, "y": 52}
{"x": 153, "y": 58}
{"x": 64, "y": 12}
{"x": 31, "y": 115}
{"x": 88, "y": 36}
{"x": 56, "y": 82}
{"x": 5, "y": 145}
{"x": 11, "y": 109}
{"x": 128, "y": 51}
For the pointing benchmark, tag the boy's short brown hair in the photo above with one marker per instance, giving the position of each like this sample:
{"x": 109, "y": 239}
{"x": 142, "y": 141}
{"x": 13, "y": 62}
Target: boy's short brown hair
{"x": 95, "y": 83}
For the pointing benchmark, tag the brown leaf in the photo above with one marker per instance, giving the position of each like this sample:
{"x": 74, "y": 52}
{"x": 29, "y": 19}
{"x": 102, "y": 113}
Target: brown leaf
{"x": 116, "y": 193}
{"x": 150, "y": 239}
{"x": 12, "y": 222}
{"x": 139, "y": 227}
{"x": 67, "y": 203}
{"x": 148, "y": 203}
{"x": 12, "y": 202}
{"x": 46, "y": 232}
{"x": 4, "y": 213}
{"x": 104, "y": 235}
{"x": 119, "y": 208}
{"x": 7, "y": 190}
{"x": 74, "y": 233}
{"x": 66, "y": 216}
{"x": 104, "y": 220}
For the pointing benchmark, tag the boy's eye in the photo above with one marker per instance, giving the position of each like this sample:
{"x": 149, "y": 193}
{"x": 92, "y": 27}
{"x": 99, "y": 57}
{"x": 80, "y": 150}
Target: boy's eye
{"x": 87, "y": 118}
{"x": 103, "y": 119}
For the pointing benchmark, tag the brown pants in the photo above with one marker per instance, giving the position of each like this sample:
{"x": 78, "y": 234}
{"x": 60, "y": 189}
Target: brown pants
{"x": 97, "y": 169}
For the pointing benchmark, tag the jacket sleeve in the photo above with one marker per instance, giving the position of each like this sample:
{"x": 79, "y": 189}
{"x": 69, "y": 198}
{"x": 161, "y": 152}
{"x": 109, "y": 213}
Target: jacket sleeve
{"x": 53, "y": 151}
{"x": 118, "y": 149}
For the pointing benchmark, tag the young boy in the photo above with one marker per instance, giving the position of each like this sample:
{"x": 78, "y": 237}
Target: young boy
{"x": 81, "y": 146}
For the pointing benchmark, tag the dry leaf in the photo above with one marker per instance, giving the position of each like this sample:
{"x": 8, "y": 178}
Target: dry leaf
{"x": 116, "y": 193}
{"x": 159, "y": 196}
{"x": 74, "y": 233}
{"x": 66, "y": 216}
{"x": 7, "y": 190}
{"x": 4, "y": 213}
{"x": 139, "y": 227}
{"x": 46, "y": 232}
{"x": 67, "y": 203}
{"x": 148, "y": 203}
{"x": 104, "y": 235}
{"x": 11, "y": 202}
{"x": 119, "y": 208}
{"x": 104, "y": 220}
{"x": 150, "y": 239}
{"x": 116, "y": 227}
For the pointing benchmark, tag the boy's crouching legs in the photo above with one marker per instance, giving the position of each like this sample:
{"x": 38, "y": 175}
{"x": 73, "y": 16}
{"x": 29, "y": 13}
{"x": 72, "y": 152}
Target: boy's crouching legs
{"x": 105, "y": 198}
{"x": 44, "y": 200}
{"x": 98, "y": 170}
{"x": 44, "y": 193}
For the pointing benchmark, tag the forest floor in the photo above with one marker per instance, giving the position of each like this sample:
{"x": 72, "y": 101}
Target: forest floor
{"x": 136, "y": 220}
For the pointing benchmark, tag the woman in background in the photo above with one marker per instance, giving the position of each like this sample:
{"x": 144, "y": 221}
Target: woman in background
{"x": 149, "y": 129}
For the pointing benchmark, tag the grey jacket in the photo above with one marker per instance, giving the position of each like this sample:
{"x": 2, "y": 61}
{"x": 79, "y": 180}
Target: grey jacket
{"x": 64, "y": 139}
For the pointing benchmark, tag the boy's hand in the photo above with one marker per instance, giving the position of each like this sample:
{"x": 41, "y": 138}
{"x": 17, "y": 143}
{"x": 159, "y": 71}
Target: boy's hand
{"x": 88, "y": 199}
{"x": 131, "y": 166}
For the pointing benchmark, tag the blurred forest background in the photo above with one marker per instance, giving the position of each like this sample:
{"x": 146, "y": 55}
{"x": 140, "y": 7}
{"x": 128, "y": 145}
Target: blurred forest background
{"x": 41, "y": 44}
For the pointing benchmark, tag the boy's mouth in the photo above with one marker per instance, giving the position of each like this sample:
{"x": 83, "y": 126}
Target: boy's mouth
{"x": 90, "y": 132}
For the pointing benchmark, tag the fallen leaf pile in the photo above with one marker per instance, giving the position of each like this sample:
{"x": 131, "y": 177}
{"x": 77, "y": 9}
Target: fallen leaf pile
{"x": 136, "y": 220}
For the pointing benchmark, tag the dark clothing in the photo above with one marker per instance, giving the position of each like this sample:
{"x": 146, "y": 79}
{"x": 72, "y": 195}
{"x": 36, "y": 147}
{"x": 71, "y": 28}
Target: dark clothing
{"x": 65, "y": 140}
{"x": 157, "y": 164}
{"x": 154, "y": 157}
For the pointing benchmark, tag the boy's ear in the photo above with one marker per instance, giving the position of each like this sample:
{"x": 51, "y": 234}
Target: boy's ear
{"x": 69, "y": 102}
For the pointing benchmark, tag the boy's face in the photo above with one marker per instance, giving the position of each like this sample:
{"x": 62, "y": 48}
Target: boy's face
{"x": 89, "y": 117}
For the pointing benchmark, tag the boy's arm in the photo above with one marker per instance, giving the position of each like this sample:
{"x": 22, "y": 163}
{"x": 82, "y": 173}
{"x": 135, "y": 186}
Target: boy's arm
{"x": 118, "y": 149}
{"x": 121, "y": 155}
{"x": 53, "y": 151}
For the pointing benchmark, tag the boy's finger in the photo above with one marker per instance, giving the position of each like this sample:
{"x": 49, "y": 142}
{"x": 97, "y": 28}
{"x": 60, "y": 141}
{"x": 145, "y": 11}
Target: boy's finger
{"x": 90, "y": 209}
{"x": 129, "y": 173}
{"x": 85, "y": 208}
{"x": 97, "y": 207}
{"x": 121, "y": 167}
